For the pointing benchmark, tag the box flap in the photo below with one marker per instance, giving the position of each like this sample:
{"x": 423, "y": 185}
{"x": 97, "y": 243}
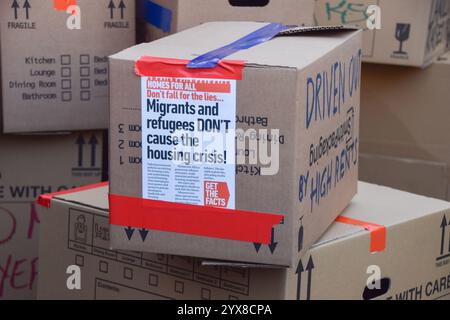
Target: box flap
{"x": 282, "y": 51}
{"x": 94, "y": 198}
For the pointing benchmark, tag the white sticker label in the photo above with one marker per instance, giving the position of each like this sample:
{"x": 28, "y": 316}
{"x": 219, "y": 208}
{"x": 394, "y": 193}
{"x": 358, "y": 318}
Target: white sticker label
{"x": 188, "y": 140}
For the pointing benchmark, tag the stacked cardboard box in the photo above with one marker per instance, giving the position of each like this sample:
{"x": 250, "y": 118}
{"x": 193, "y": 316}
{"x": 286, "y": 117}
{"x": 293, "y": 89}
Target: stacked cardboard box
{"x": 55, "y": 62}
{"x": 411, "y": 151}
{"x": 305, "y": 104}
{"x": 159, "y": 18}
{"x": 348, "y": 262}
{"x": 403, "y": 32}
{"x": 30, "y": 166}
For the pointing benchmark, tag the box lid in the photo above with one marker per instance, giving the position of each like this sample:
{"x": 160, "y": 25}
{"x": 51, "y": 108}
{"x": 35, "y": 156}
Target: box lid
{"x": 284, "y": 51}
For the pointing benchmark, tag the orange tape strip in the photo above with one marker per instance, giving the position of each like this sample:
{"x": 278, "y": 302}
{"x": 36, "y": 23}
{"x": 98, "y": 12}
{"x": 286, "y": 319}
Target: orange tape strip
{"x": 377, "y": 232}
{"x": 45, "y": 200}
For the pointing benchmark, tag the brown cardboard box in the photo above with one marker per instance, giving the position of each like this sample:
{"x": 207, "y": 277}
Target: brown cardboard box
{"x": 160, "y": 18}
{"x": 30, "y": 166}
{"x": 339, "y": 266}
{"x": 271, "y": 96}
{"x": 421, "y": 25}
{"x": 404, "y": 115}
{"x": 55, "y": 78}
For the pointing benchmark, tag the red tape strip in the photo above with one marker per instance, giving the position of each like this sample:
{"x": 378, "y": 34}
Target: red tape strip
{"x": 45, "y": 200}
{"x": 377, "y": 232}
{"x": 168, "y": 67}
{"x": 192, "y": 219}
{"x": 63, "y": 4}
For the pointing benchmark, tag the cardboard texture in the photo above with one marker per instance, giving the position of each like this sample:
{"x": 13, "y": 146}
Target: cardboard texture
{"x": 412, "y": 32}
{"x": 75, "y": 232}
{"x": 30, "y": 166}
{"x": 55, "y": 66}
{"x": 273, "y": 90}
{"x": 160, "y": 18}
{"x": 412, "y": 108}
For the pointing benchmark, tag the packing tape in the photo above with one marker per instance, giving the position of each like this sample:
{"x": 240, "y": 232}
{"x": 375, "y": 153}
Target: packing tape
{"x": 195, "y": 220}
{"x": 168, "y": 67}
{"x": 157, "y": 15}
{"x": 45, "y": 200}
{"x": 212, "y": 58}
{"x": 62, "y": 5}
{"x": 377, "y": 232}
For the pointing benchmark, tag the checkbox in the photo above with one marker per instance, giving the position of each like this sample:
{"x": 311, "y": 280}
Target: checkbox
{"x": 179, "y": 286}
{"x": 128, "y": 273}
{"x": 66, "y": 96}
{"x": 79, "y": 260}
{"x": 206, "y": 294}
{"x": 85, "y": 95}
{"x": 85, "y": 83}
{"x": 153, "y": 279}
{"x": 66, "y": 84}
{"x": 66, "y": 72}
{"x": 66, "y": 59}
{"x": 103, "y": 266}
{"x": 85, "y": 71}
{"x": 84, "y": 59}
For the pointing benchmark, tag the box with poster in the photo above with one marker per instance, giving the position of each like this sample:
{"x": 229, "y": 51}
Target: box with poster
{"x": 54, "y": 54}
{"x": 403, "y": 32}
{"x": 30, "y": 166}
{"x": 412, "y": 152}
{"x": 160, "y": 18}
{"x": 380, "y": 235}
{"x": 219, "y": 162}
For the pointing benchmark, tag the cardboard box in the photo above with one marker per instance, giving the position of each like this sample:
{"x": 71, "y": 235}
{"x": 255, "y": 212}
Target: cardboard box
{"x": 75, "y": 232}
{"x": 55, "y": 66}
{"x": 160, "y": 18}
{"x": 30, "y": 166}
{"x": 412, "y": 108}
{"x": 308, "y": 195}
{"x": 411, "y": 32}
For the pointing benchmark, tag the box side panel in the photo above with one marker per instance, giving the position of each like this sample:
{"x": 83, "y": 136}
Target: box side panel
{"x": 260, "y": 92}
{"x": 346, "y": 269}
{"x": 56, "y": 77}
{"x": 23, "y": 177}
{"x": 417, "y": 176}
{"x": 400, "y": 37}
{"x": 290, "y": 12}
{"x": 326, "y": 170}
{"x": 78, "y": 236}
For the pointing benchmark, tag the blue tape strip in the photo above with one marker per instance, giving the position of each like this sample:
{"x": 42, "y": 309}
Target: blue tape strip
{"x": 157, "y": 15}
{"x": 212, "y": 58}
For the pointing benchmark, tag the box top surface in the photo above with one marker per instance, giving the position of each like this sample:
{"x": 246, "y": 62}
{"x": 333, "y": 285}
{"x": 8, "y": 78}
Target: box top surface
{"x": 296, "y": 51}
{"x": 373, "y": 204}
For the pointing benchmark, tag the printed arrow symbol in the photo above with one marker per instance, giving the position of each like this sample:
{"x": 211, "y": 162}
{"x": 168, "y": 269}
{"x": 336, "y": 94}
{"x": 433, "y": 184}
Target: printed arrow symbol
{"x": 111, "y": 7}
{"x": 80, "y": 142}
{"x": 129, "y": 231}
{"x": 257, "y": 246}
{"x": 299, "y": 272}
{"x": 300, "y": 239}
{"x": 93, "y": 142}
{"x": 143, "y": 234}
{"x": 309, "y": 268}
{"x": 273, "y": 244}
{"x": 27, "y": 6}
{"x": 443, "y": 226}
{"x": 122, "y": 8}
{"x": 15, "y": 6}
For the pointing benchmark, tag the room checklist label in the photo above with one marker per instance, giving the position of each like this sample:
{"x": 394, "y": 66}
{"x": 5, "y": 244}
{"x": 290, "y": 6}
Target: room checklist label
{"x": 188, "y": 140}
